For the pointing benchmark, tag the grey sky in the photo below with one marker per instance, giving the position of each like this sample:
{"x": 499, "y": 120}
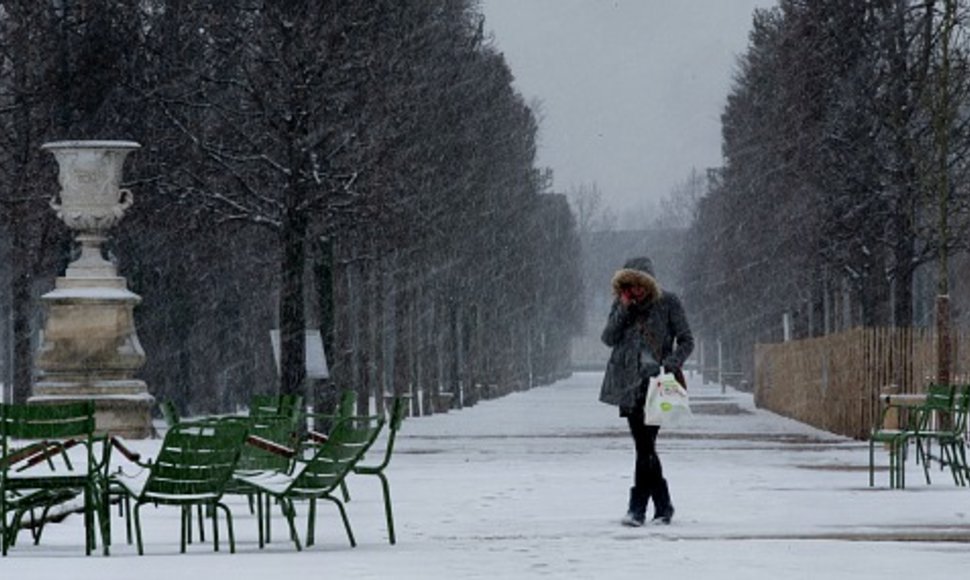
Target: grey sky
{"x": 631, "y": 91}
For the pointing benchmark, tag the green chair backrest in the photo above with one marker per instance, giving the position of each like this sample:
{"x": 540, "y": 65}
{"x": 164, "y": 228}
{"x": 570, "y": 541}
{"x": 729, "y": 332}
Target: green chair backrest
{"x": 291, "y": 405}
{"x": 47, "y": 421}
{"x": 324, "y": 422}
{"x": 348, "y": 399}
{"x": 961, "y": 408}
{"x": 939, "y": 397}
{"x": 51, "y": 421}
{"x": 169, "y": 413}
{"x": 276, "y": 428}
{"x": 53, "y": 428}
{"x": 346, "y": 444}
{"x": 399, "y": 409}
{"x": 195, "y": 461}
{"x": 939, "y": 402}
{"x": 59, "y": 422}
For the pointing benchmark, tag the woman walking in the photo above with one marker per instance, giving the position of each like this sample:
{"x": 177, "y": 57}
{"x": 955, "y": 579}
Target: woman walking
{"x": 647, "y": 330}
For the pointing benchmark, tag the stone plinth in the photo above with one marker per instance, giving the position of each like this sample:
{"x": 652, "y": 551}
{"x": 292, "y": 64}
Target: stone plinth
{"x": 90, "y": 350}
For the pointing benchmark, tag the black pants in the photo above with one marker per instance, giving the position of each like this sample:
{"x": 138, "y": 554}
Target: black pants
{"x": 648, "y": 476}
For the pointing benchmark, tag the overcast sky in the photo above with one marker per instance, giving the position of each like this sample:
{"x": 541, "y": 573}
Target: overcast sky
{"x": 631, "y": 91}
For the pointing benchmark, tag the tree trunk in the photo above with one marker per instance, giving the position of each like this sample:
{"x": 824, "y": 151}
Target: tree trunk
{"x": 23, "y": 352}
{"x": 414, "y": 371}
{"x": 903, "y": 289}
{"x": 425, "y": 358}
{"x": 292, "y": 313}
{"x": 454, "y": 354}
{"x": 341, "y": 371}
{"x": 326, "y": 401}
{"x": 401, "y": 375}
{"x": 874, "y": 295}
{"x": 367, "y": 346}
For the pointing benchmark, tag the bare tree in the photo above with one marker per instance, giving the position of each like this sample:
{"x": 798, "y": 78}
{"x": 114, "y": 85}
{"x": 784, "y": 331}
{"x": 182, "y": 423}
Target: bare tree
{"x": 592, "y": 215}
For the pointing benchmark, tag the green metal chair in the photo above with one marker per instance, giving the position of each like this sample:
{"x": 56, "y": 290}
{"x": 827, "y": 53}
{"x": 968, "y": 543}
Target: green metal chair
{"x": 895, "y": 441}
{"x": 938, "y": 398}
{"x": 278, "y": 430}
{"x": 193, "y": 467}
{"x": 55, "y": 463}
{"x": 936, "y": 407}
{"x": 317, "y": 475}
{"x": 398, "y": 411}
{"x": 172, "y": 417}
{"x": 271, "y": 417}
{"x": 275, "y": 419}
{"x": 946, "y": 426}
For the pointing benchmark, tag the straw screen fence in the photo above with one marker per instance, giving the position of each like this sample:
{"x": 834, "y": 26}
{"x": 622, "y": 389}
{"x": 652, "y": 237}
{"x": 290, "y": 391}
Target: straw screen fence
{"x": 833, "y": 382}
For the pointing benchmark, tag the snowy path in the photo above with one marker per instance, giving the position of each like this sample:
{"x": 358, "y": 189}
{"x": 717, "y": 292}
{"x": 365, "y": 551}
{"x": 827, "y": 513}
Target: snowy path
{"x": 533, "y": 485}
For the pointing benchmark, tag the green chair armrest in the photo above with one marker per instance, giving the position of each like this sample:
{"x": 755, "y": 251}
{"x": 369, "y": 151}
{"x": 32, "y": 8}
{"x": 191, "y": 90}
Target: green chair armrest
{"x": 18, "y": 455}
{"x": 126, "y": 452}
{"x": 51, "y": 450}
{"x": 272, "y": 447}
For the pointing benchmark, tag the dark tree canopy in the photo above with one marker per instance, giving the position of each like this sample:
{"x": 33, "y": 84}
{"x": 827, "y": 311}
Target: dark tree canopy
{"x": 362, "y": 167}
{"x": 827, "y": 207}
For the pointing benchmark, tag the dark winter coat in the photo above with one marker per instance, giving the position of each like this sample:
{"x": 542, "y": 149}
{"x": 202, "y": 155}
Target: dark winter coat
{"x": 644, "y": 336}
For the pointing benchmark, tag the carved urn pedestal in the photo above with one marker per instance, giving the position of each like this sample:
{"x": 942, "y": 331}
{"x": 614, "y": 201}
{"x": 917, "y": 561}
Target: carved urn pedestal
{"x": 90, "y": 349}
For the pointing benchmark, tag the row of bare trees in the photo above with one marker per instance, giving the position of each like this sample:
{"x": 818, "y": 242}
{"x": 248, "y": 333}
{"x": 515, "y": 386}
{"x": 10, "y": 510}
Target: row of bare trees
{"x": 362, "y": 167}
{"x": 845, "y": 139}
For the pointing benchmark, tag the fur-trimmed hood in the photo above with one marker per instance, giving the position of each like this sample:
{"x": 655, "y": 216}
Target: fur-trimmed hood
{"x": 626, "y": 277}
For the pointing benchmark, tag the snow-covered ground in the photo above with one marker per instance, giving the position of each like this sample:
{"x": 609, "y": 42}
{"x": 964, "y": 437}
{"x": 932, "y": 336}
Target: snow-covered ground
{"x": 533, "y": 485}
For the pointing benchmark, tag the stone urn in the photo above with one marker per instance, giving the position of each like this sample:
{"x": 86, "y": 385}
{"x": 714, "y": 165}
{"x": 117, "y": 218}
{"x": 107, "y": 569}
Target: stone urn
{"x": 89, "y": 348}
{"x": 91, "y": 199}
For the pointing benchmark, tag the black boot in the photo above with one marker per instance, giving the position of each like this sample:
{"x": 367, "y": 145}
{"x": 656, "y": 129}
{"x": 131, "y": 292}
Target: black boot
{"x": 637, "y": 512}
{"x": 663, "y": 510}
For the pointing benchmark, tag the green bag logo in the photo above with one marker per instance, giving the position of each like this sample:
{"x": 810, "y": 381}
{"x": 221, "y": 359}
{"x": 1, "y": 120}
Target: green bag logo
{"x": 666, "y": 407}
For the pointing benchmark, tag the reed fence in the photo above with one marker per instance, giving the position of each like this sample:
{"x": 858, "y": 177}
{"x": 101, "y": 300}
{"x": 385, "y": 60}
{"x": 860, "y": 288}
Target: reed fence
{"x": 833, "y": 382}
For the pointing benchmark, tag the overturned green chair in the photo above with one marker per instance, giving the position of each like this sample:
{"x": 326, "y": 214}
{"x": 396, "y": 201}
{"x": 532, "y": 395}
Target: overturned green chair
{"x": 316, "y": 473}
{"x": 193, "y": 467}
{"x": 47, "y": 457}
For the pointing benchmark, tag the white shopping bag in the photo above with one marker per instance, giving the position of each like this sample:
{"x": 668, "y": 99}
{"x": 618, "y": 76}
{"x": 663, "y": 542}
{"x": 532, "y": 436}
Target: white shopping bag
{"x": 667, "y": 402}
